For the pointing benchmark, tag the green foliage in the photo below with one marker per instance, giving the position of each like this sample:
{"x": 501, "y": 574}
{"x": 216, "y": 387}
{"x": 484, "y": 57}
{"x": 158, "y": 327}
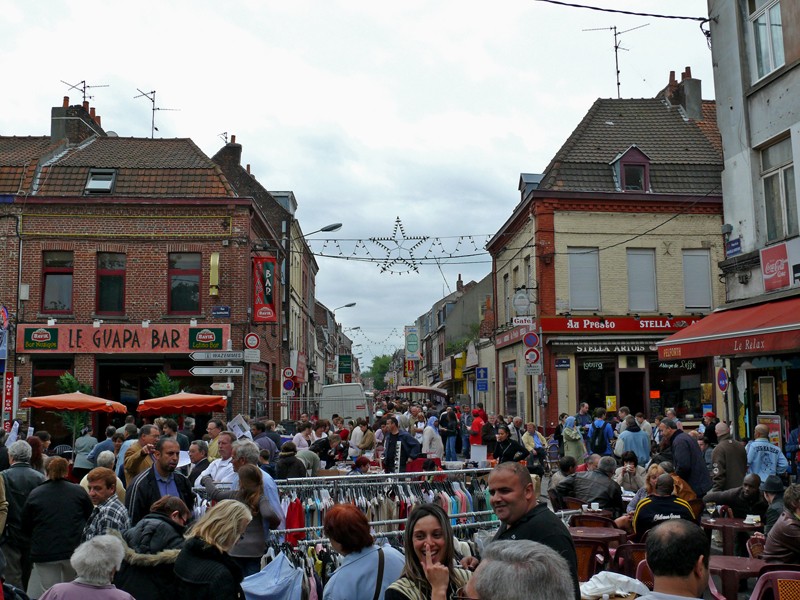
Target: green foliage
{"x": 68, "y": 383}
{"x": 72, "y": 420}
{"x": 380, "y": 365}
{"x": 461, "y": 345}
{"x": 163, "y": 385}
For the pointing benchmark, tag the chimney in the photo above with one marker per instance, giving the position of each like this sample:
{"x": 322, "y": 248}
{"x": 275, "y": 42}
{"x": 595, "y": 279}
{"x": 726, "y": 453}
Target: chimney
{"x": 233, "y": 139}
{"x": 687, "y": 93}
{"x": 229, "y": 156}
{"x": 459, "y": 284}
{"x": 75, "y": 123}
{"x": 248, "y": 168}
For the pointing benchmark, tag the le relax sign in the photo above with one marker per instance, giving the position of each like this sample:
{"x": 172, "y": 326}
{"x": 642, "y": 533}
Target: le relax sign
{"x": 115, "y": 339}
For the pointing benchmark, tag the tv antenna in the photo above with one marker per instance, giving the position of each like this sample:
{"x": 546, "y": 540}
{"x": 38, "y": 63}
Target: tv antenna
{"x": 617, "y": 47}
{"x": 152, "y": 97}
{"x": 82, "y": 87}
{"x": 224, "y": 136}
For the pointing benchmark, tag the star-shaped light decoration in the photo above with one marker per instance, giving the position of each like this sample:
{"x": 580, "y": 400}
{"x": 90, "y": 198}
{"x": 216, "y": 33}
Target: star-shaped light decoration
{"x": 399, "y": 250}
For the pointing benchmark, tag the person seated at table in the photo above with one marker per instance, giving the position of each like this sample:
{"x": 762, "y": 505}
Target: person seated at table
{"x": 651, "y": 476}
{"x": 589, "y": 463}
{"x": 783, "y": 540}
{"x": 678, "y": 552}
{"x": 630, "y": 476}
{"x": 743, "y": 500}
{"x": 566, "y": 467}
{"x": 595, "y": 486}
{"x": 773, "y": 491}
{"x": 659, "y": 506}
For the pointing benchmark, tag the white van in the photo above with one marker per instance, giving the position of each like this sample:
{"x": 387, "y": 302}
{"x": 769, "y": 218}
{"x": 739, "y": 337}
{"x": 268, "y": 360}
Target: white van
{"x": 344, "y": 399}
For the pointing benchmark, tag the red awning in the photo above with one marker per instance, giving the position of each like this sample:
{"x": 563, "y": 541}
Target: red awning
{"x": 758, "y": 329}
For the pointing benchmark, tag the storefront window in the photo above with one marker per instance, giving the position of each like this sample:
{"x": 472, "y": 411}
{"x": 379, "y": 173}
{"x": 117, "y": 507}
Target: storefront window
{"x": 510, "y": 389}
{"x": 685, "y": 385}
{"x": 597, "y": 380}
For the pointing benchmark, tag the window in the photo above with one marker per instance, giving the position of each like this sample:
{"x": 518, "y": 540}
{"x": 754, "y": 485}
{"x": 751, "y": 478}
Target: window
{"x": 100, "y": 181}
{"x": 57, "y": 282}
{"x": 642, "y": 280}
{"x": 584, "y": 279}
{"x": 633, "y": 177}
{"x": 780, "y": 198}
{"x": 111, "y": 283}
{"x": 184, "y": 283}
{"x": 765, "y": 16}
{"x": 631, "y": 170}
{"x": 697, "y": 279}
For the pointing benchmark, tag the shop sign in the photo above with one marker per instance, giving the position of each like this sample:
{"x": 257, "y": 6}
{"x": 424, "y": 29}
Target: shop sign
{"x": 512, "y": 336}
{"x": 592, "y": 366}
{"x": 689, "y": 365}
{"x": 412, "y": 342}
{"x": 345, "y": 364}
{"x": 616, "y": 324}
{"x": 621, "y": 348}
{"x": 8, "y": 399}
{"x": 120, "y": 339}
{"x": 780, "y": 265}
{"x": 264, "y": 304}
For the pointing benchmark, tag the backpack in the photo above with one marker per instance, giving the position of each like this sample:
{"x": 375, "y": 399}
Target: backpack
{"x": 597, "y": 443}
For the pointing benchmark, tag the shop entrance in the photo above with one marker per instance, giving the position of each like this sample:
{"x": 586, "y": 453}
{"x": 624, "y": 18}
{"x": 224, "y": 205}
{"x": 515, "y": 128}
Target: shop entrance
{"x": 632, "y": 390}
{"x": 126, "y": 382}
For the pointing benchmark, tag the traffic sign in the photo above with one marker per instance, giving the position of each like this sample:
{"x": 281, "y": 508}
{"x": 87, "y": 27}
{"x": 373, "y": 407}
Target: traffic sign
{"x": 531, "y": 340}
{"x": 288, "y": 384}
{"x": 288, "y": 373}
{"x": 252, "y": 355}
{"x": 533, "y": 369}
{"x": 532, "y": 356}
{"x": 482, "y": 373}
{"x": 482, "y": 385}
{"x": 221, "y": 386}
{"x": 230, "y": 371}
{"x": 722, "y": 380}
{"x": 220, "y": 355}
{"x": 252, "y": 340}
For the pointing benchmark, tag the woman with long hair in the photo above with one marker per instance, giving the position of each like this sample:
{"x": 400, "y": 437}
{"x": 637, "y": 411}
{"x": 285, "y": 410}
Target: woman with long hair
{"x": 430, "y": 571}
{"x": 37, "y": 454}
{"x": 247, "y": 552}
{"x": 204, "y": 568}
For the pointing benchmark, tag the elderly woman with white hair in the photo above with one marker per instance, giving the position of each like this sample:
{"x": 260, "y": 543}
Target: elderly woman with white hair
{"x": 96, "y": 561}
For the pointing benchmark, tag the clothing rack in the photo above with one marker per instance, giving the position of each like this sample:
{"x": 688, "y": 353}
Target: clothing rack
{"x": 479, "y": 513}
{"x": 307, "y": 481}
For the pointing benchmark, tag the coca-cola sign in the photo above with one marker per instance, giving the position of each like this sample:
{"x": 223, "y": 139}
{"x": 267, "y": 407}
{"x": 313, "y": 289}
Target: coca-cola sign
{"x": 775, "y": 267}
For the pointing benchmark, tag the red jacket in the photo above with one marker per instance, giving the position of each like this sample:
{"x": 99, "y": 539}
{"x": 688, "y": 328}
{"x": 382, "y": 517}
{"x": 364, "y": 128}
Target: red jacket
{"x": 475, "y": 431}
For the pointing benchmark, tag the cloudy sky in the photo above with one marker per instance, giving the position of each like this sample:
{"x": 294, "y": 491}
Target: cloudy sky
{"x": 426, "y": 111}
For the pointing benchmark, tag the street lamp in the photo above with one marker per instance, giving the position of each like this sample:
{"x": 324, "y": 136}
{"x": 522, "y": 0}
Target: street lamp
{"x": 326, "y": 229}
{"x": 348, "y": 305}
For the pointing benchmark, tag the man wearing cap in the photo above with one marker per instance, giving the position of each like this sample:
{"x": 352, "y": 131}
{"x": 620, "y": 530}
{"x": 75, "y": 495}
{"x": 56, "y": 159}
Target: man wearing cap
{"x": 728, "y": 461}
{"x": 773, "y": 490}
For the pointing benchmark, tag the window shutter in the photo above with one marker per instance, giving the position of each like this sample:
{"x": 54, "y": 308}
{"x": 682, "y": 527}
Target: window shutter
{"x": 697, "y": 278}
{"x": 584, "y": 279}
{"x": 642, "y": 280}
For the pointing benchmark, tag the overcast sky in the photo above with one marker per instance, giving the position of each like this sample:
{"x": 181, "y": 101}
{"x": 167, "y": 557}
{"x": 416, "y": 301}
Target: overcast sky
{"x": 367, "y": 110}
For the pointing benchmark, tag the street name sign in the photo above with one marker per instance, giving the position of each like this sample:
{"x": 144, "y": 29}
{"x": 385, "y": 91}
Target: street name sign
{"x": 230, "y": 371}
{"x": 220, "y": 355}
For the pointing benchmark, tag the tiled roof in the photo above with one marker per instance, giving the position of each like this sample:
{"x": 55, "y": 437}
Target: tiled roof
{"x": 684, "y": 156}
{"x": 145, "y": 167}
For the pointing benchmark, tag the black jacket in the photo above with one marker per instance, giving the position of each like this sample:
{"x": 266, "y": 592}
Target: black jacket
{"x": 143, "y": 491}
{"x": 543, "y": 526}
{"x": 205, "y": 573}
{"x": 151, "y": 549}
{"x": 509, "y": 450}
{"x": 198, "y": 468}
{"x": 54, "y": 517}
{"x": 289, "y": 466}
{"x": 20, "y": 480}
{"x": 689, "y": 462}
{"x": 409, "y": 450}
{"x": 593, "y": 486}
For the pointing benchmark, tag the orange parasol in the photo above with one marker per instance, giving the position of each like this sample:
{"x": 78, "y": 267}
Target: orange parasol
{"x": 182, "y": 402}
{"x": 74, "y": 401}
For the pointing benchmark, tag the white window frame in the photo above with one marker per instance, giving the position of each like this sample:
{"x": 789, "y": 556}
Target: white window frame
{"x": 100, "y": 181}
{"x": 780, "y": 192}
{"x": 584, "y": 270}
{"x": 641, "y": 264}
{"x": 696, "y": 273}
{"x": 765, "y": 12}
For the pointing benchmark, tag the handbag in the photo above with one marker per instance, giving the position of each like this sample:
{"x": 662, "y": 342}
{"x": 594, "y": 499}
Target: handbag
{"x": 380, "y": 575}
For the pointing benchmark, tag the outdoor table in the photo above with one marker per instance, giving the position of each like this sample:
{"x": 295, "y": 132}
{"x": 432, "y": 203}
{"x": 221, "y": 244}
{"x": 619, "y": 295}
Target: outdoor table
{"x": 732, "y": 569}
{"x": 598, "y": 534}
{"x": 729, "y": 528}
{"x": 598, "y": 513}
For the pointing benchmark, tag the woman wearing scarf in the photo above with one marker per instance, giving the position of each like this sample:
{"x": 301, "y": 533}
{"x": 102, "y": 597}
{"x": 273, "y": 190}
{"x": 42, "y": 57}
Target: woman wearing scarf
{"x": 432, "y": 444}
{"x": 573, "y": 441}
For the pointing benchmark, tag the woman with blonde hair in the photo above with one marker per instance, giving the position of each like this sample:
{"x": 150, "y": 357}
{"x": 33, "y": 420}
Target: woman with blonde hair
{"x": 651, "y": 477}
{"x": 248, "y": 551}
{"x": 204, "y": 568}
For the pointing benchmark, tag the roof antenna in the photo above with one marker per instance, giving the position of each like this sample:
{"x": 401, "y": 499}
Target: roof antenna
{"x": 224, "y": 136}
{"x": 82, "y": 87}
{"x": 617, "y": 47}
{"x": 152, "y": 97}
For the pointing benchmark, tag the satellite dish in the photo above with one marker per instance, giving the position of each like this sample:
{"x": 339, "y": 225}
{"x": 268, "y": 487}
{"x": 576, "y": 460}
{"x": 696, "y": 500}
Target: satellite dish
{"x": 112, "y": 134}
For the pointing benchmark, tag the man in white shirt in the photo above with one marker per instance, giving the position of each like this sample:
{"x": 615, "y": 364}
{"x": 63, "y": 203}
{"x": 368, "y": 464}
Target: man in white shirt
{"x": 221, "y": 470}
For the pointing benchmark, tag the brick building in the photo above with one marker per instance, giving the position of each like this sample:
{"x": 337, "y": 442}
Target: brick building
{"x": 124, "y": 255}
{"x": 611, "y": 249}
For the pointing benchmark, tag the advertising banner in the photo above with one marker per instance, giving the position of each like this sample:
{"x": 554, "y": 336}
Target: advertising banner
{"x": 780, "y": 265}
{"x": 264, "y": 298}
{"x": 412, "y": 342}
{"x": 8, "y": 400}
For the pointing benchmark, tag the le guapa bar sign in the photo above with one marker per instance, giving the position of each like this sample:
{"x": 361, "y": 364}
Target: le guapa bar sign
{"x": 113, "y": 339}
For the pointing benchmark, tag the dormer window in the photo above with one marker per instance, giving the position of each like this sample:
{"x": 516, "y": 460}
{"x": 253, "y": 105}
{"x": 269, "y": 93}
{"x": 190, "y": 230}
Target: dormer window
{"x": 100, "y": 181}
{"x": 631, "y": 171}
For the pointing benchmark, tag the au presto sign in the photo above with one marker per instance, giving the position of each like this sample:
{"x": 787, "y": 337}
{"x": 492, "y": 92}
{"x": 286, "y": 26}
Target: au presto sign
{"x": 120, "y": 339}
{"x": 644, "y": 324}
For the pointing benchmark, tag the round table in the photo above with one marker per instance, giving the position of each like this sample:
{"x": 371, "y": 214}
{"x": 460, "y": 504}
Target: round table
{"x": 729, "y": 528}
{"x": 598, "y": 513}
{"x": 598, "y": 534}
{"x": 732, "y": 569}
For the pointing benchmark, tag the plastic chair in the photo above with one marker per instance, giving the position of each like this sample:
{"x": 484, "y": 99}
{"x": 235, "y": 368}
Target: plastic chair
{"x": 778, "y": 585}
{"x": 553, "y": 455}
{"x": 590, "y": 521}
{"x": 769, "y": 567}
{"x": 698, "y": 506}
{"x": 572, "y": 503}
{"x": 589, "y": 554}
{"x": 755, "y": 546}
{"x": 644, "y": 574}
{"x": 555, "y": 499}
{"x": 627, "y": 557}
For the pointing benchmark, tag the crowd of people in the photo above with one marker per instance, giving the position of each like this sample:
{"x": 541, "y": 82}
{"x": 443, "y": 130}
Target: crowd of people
{"x": 120, "y": 518}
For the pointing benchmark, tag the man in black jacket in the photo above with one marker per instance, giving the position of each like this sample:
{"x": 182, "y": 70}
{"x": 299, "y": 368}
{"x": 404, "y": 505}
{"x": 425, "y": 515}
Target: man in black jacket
{"x": 595, "y": 486}
{"x": 198, "y": 455}
{"x": 515, "y": 501}
{"x": 409, "y": 446}
{"x": 159, "y": 480}
{"x": 686, "y": 456}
